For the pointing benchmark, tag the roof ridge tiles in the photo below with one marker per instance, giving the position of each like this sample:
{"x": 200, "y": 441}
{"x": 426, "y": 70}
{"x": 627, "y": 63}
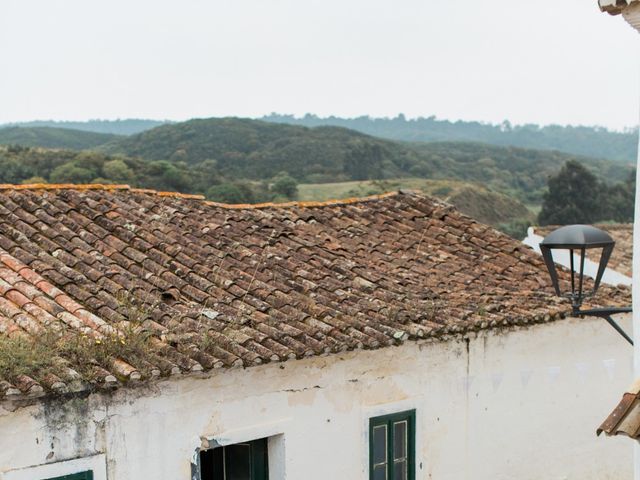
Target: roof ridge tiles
{"x": 63, "y": 186}
{"x": 239, "y": 206}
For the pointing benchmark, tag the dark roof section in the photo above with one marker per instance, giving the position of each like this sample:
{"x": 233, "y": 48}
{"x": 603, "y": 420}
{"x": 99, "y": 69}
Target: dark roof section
{"x": 187, "y": 285}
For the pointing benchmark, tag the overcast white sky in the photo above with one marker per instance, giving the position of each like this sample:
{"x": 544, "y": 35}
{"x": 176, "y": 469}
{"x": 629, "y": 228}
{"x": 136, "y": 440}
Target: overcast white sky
{"x": 558, "y": 61}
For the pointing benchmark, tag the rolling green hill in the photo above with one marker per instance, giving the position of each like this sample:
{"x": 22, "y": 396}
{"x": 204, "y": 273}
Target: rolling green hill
{"x": 128, "y": 126}
{"x": 244, "y": 148}
{"x": 579, "y": 140}
{"x": 48, "y": 137}
{"x": 256, "y": 150}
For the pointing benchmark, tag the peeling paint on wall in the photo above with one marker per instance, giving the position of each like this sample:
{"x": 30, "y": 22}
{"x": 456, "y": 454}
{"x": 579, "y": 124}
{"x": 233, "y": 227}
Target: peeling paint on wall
{"x": 318, "y": 407}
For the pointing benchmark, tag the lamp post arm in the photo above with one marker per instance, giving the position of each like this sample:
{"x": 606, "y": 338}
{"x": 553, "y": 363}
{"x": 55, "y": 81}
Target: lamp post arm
{"x": 606, "y": 314}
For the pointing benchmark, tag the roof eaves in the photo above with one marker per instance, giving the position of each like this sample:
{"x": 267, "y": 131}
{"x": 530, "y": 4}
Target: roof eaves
{"x": 615, "y": 7}
{"x": 625, "y": 418}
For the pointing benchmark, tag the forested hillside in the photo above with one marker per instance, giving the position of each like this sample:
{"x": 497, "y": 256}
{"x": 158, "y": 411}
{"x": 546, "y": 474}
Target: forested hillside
{"x": 255, "y": 150}
{"x": 252, "y": 149}
{"x": 580, "y": 140}
{"x": 519, "y": 172}
{"x": 48, "y": 137}
{"x": 38, "y": 165}
{"x": 128, "y": 126}
{"x": 245, "y": 161}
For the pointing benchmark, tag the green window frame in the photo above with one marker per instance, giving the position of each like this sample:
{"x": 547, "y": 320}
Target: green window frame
{"x": 392, "y": 446}
{"x": 88, "y": 475}
{"x": 239, "y": 460}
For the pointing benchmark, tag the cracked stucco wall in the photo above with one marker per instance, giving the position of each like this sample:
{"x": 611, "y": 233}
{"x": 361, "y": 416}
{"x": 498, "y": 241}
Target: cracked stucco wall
{"x": 498, "y": 406}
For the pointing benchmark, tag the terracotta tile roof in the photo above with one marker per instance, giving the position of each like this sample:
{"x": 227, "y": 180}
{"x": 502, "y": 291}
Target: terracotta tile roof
{"x": 622, "y": 257}
{"x": 625, "y": 418}
{"x": 615, "y": 7}
{"x": 141, "y": 284}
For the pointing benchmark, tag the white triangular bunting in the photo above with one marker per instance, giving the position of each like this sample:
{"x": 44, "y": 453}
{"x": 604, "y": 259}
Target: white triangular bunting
{"x": 610, "y": 366}
{"x": 496, "y": 381}
{"x": 466, "y": 383}
{"x": 583, "y": 371}
{"x": 525, "y": 376}
{"x": 553, "y": 373}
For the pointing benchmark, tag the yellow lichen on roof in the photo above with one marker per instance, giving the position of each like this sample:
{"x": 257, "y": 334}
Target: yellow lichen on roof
{"x": 242, "y": 206}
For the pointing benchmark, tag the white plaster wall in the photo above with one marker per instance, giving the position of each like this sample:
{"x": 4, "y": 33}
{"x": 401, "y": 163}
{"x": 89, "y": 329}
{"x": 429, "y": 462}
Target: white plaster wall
{"x": 518, "y": 405}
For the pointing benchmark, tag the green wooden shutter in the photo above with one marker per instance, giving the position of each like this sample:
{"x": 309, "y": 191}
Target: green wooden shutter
{"x": 247, "y": 459}
{"x": 392, "y": 446}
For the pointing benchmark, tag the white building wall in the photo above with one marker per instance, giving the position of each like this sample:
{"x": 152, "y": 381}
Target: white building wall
{"x": 632, "y": 15}
{"x": 518, "y": 405}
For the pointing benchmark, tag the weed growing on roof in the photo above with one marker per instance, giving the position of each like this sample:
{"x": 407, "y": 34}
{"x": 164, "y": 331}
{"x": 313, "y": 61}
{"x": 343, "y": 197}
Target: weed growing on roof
{"x": 206, "y": 342}
{"x": 135, "y": 310}
{"x": 32, "y": 356}
{"x": 48, "y": 352}
{"x": 130, "y": 344}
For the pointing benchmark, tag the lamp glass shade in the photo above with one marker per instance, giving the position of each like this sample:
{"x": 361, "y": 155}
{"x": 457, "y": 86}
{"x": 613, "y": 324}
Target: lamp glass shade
{"x": 577, "y": 238}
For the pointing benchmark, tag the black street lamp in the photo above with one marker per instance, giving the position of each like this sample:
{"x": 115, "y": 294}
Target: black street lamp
{"x": 581, "y": 238}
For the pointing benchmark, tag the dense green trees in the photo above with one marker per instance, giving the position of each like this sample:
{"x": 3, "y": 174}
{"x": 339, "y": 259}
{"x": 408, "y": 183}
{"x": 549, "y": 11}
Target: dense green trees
{"x": 36, "y": 165}
{"x": 285, "y": 186}
{"x": 236, "y": 192}
{"x": 573, "y": 197}
{"x": 117, "y": 170}
{"x": 281, "y": 188}
{"x": 71, "y": 173}
{"x": 576, "y": 195}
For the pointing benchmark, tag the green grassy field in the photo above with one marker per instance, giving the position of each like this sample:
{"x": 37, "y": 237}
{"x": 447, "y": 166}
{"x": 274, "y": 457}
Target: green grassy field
{"x": 326, "y": 191}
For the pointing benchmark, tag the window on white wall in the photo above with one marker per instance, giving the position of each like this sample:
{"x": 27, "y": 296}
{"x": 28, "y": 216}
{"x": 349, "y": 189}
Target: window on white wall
{"x": 88, "y": 475}
{"x": 392, "y": 446}
{"x": 240, "y": 461}
{"x": 85, "y": 468}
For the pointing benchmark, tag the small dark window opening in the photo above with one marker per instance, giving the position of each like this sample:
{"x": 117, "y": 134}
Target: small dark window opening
{"x": 241, "y": 461}
{"x": 75, "y": 476}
